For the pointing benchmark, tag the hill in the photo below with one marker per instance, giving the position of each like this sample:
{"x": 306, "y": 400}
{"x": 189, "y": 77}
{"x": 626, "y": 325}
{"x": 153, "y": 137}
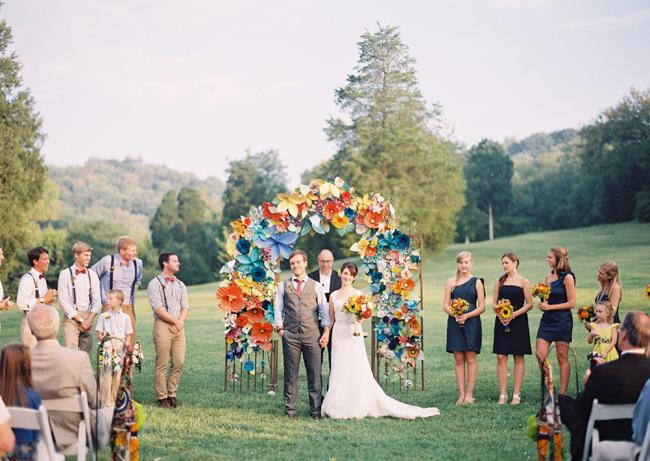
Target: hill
{"x": 128, "y": 190}
{"x": 540, "y": 143}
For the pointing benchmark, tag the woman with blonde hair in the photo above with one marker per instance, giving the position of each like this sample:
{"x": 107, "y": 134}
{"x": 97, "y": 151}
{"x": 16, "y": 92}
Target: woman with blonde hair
{"x": 512, "y": 335}
{"x": 556, "y": 324}
{"x": 464, "y": 333}
{"x": 611, "y": 289}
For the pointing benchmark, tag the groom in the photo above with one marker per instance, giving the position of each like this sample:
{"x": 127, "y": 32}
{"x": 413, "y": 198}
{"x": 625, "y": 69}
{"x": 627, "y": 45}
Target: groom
{"x": 299, "y": 303}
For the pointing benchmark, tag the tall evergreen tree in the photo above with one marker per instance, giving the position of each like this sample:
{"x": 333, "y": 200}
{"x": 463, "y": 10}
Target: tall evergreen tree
{"x": 390, "y": 142}
{"x": 22, "y": 169}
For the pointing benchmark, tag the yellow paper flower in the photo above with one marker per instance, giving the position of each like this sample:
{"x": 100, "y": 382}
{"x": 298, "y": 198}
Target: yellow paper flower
{"x": 340, "y": 221}
{"x": 360, "y": 247}
{"x": 325, "y": 189}
{"x": 290, "y": 202}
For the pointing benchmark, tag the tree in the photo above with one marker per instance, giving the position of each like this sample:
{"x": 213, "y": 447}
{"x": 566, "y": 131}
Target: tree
{"x": 488, "y": 173}
{"x": 616, "y": 153}
{"x": 254, "y": 179}
{"x": 390, "y": 144}
{"x": 183, "y": 225}
{"x": 22, "y": 169}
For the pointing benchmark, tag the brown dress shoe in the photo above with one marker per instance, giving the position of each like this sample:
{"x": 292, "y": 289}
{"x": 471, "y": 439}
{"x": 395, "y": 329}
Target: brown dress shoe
{"x": 164, "y": 403}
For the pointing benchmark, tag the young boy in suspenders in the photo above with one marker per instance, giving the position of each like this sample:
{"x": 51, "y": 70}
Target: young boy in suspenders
{"x": 80, "y": 299}
{"x": 168, "y": 298}
{"x": 121, "y": 271}
{"x": 32, "y": 289}
{"x": 117, "y": 326}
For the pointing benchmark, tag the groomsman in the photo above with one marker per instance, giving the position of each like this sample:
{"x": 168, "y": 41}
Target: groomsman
{"x": 80, "y": 299}
{"x": 32, "y": 289}
{"x": 5, "y": 303}
{"x": 330, "y": 281}
{"x": 121, "y": 271}
{"x": 168, "y": 298}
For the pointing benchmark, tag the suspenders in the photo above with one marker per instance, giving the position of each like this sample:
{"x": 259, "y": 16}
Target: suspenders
{"x": 37, "y": 292}
{"x": 135, "y": 277}
{"x": 74, "y": 289}
{"x": 162, "y": 288}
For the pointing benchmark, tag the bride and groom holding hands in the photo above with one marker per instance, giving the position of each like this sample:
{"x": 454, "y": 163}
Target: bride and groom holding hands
{"x": 304, "y": 316}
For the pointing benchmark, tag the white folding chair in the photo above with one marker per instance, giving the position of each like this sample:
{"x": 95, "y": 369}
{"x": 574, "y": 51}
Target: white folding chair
{"x": 76, "y": 404}
{"x": 36, "y": 420}
{"x": 602, "y": 412}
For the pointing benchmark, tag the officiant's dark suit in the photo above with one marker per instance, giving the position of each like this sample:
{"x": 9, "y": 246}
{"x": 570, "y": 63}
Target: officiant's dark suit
{"x": 335, "y": 284}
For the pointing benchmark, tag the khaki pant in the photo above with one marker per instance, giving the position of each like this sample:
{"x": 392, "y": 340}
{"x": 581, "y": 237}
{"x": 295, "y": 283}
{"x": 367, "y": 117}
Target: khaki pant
{"x": 109, "y": 380}
{"x": 74, "y": 338}
{"x": 26, "y": 336}
{"x": 128, "y": 310}
{"x": 168, "y": 346}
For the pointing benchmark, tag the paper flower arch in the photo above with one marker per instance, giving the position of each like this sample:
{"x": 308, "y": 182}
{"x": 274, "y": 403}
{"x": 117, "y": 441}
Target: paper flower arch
{"x": 260, "y": 240}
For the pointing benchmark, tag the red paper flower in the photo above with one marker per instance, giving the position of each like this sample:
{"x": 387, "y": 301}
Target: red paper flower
{"x": 372, "y": 220}
{"x": 270, "y": 212}
{"x": 231, "y": 298}
{"x": 241, "y": 321}
{"x": 255, "y": 315}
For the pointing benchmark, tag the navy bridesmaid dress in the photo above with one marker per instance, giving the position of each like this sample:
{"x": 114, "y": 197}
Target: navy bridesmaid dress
{"x": 517, "y": 342}
{"x": 557, "y": 325}
{"x": 469, "y": 336}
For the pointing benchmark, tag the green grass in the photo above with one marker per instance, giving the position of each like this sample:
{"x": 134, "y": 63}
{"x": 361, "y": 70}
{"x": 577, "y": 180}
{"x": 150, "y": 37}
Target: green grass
{"x": 212, "y": 424}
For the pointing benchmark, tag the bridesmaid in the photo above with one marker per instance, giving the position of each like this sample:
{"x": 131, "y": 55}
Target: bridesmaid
{"x": 556, "y": 324}
{"x": 464, "y": 333}
{"x": 515, "y": 288}
{"x": 610, "y": 287}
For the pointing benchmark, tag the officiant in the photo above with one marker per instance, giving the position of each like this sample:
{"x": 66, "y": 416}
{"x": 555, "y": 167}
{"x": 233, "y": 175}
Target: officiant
{"x": 330, "y": 281}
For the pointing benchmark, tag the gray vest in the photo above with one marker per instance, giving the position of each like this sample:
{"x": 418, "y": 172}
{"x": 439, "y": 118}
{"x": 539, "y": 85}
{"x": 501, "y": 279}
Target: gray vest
{"x": 300, "y": 312}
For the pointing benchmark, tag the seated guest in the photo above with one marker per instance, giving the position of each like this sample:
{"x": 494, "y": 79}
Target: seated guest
{"x": 59, "y": 372}
{"x": 16, "y": 390}
{"x": 6, "y": 434}
{"x": 616, "y": 382}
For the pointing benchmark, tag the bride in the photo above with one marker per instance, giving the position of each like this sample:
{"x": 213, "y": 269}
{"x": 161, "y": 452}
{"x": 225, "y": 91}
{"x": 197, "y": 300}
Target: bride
{"x": 353, "y": 391}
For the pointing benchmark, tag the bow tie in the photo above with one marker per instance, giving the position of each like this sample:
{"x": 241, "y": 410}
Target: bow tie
{"x": 170, "y": 279}
{"x": 80, "y": 271}
{"x": 41, "y": 276}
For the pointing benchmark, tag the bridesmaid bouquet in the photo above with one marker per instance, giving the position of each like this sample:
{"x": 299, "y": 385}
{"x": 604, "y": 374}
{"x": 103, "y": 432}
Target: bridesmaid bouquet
{"x": 458, "y": 307}
{"x": 504, "y": 311}
{"x": 360, "y": 307}
{"x": 647, "y": 291}
{"x": 586, "y": 313}
{"x": 542, "y": 291}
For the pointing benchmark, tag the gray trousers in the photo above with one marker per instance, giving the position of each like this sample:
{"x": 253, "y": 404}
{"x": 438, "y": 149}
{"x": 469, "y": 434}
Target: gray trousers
{"x": 293, "y": 344}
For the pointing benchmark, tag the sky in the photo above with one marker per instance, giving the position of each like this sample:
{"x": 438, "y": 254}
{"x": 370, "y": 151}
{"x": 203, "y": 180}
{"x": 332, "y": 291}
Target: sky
{"x": 195, "y": 84}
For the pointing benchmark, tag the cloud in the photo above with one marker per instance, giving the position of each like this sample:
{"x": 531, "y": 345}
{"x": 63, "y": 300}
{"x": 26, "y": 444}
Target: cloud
{"x": 611, "y": 22}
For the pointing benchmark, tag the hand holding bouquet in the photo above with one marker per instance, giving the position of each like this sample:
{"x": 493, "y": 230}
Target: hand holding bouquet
{"x": 360, "y": 307}
{"x": 542, "y": 291}
{"x": 504, "y": 311}
{"x": 458, "y": 307}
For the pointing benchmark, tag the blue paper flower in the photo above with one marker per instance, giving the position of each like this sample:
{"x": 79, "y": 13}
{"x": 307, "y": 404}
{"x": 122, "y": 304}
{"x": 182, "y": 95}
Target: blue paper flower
{"x": 415, "y": 258}
{"x": 243, "y": 246}
{"x": 376, "y": 277}
{"x": 350, "y": 213}
{"x": 377, "y": 287}
{"x": 280, "y": 244}
{"x": 247, "y": 263}
{"x": 249, "y": 366}
{"x": 400, "y": 241}
{"x": 258, "y": 273}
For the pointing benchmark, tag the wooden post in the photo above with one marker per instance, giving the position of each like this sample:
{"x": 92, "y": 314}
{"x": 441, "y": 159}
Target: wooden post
{"x": 421, "y": 272}
{"x": 421, "y": 367}
{"x": 373, "y": 348}
{"x": 225, "y": 368}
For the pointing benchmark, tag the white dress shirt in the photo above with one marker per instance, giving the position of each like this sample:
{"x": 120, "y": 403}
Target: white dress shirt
{"x": 325, "y": 281}
{"x": 115, "y": 323}
{"x": 85, "y": 289}
{"x": 26, "y": 297}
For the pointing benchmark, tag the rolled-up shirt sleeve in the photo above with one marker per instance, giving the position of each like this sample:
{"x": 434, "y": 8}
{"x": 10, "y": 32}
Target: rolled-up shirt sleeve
{"x": 323, "y": 306}
{"x": 185, "y": 303}
{"x": 25, "y": 298}
{"x": 279, "y": 306}
{"x": 64, "y": 296}
{"x": 154, "y": 295}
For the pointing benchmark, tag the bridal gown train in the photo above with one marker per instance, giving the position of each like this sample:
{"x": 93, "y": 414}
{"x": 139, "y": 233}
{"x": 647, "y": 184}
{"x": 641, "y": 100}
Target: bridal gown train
{"x": 353, "y": 391}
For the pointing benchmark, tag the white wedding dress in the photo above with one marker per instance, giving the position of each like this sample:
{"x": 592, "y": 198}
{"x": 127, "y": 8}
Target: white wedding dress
{"x": 353, "y": 391}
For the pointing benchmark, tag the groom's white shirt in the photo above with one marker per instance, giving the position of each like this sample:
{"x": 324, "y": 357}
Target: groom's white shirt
{"x": 323, "y": 305}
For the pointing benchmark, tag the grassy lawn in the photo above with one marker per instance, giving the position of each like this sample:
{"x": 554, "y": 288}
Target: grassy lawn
{"x": 212, "y": 424}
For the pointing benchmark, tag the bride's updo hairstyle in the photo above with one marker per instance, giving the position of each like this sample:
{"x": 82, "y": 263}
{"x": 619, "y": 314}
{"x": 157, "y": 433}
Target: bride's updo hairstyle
{"x": 351, "y": 267}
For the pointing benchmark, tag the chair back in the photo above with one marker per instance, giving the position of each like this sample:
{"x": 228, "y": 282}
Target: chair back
{"x": 34, "y": 420}
{"x": 76, "y": 404}
{"x": 644, "y": 455}
{"x": 604, "y": 412}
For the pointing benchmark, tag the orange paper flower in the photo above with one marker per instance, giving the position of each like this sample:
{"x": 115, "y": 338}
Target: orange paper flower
{"x": 255, "y": 315}
{"x": 372, "y": 220}
{"x": 415, "y": 326}
{"x": 413, "y": 352}
{"x": 269, "y": 211}
{"x": 403, "y": 286}
{"x": 261, "y": 332}
{"x": 231, "y": 298}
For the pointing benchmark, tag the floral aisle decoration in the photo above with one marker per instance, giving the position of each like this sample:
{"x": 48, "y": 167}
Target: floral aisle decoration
{"x": 257, "y": 242}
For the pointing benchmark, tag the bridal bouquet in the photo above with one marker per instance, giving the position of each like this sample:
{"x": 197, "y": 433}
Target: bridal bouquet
{"x": 360, "y": 307}
{"x": 504, "y": 311}
{"x": 586, "y": 313}
{"x": 542, "y": 291}
{"x": 458, "y": 307}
